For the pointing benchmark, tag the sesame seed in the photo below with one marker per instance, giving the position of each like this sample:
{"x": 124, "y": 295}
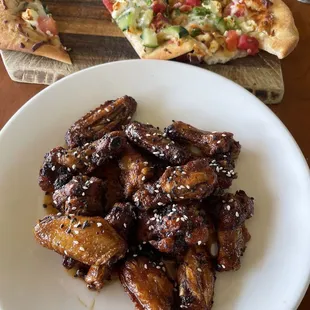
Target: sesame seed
{"x": 75, "y": 242}
{"x": 183, "y": 172}
{"x": 73, "y": 208}
{"x": 164, "y": 269}
{"x": 53, "y": 168}
{"x": 135, "y": 255}
{"x": 175, "y": 156}
{"x": 199, "y": 269}
{"x": 182, "y": 219}
{"x": 178, "y": 219}
{"x": 224, "y": 156}
{"x": 199, "y": 242}
{"x": 147, "y": 135}
{"x": 185, "y": 217}
{"x": 188, "y": 187}
{"x": 97, "y": 155}
{"x": 155, "y": 153}
{"x": 223, "y": 201}
{"x": 73, "y": 166}
{"x": 174, "y": 209}
{"x": 157, "y": 185}
{"x": 159, "y": 203}
{"x": 125, "y": 225}
{"x": 76, "y": 232}
{"x": 145, "y": 266}
{"x": 167, "y": 147}
{"x": 223, "y": 135}
{"x": 99, "y": 224}
{"x": 144, "y": 242}
{"x": 181, "y": 197}
{"x": 158, "y": 267}
{"x": 145, "y": 163}
{"x": 217, "y": 169}
{"x": 237, "y": 214}
{"x": 83, "y": 194}
{"x": 156, "y": 191}
{"x": 108, "y": 120}
{"x": 218, "y": 142}
{"x": 65, "y": 252}
{"x": 223, "y": 266}
{"x": 230, "y": 200}
{"x": 68, "y": 169}
{"x": 82, "y": 249}
{"x": 169, "y": 196}
{"x": 228, "y": 208}
{"x": 68, "y": 231}
{"x": 106, "y": 109}
{"x": 143, "y": 178}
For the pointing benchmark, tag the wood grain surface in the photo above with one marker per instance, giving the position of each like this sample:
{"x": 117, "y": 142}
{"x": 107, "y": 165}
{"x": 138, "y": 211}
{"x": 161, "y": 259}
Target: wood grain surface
{"x": 294, "y": 110}
{"x": 86, "y": 27}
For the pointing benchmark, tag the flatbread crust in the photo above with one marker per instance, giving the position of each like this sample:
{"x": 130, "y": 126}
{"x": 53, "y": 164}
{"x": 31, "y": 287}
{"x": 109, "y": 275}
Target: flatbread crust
{"x": 16, "y": 35}
{"x": 285, "y": 35}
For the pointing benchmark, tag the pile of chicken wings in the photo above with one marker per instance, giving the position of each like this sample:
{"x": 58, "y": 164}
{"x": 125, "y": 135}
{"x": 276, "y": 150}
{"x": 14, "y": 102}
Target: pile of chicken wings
{"x": 147, "y": 204}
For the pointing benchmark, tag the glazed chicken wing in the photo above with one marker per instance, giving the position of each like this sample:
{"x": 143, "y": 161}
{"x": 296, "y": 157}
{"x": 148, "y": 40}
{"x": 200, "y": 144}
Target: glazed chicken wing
{"x": 173, "y": 228}
{"x": 97, "y": 275}
{"x": 89, "y": 240}
{"x": 110, "y": 116}
{"x": 135, "y": 170}
{"x": 196, "y": 279}
{"x": 122, "y": 218}
{"x": 154, "y": 141}
{"x": 147, "y": 286}
{"x": 195, "y": 180}
{"x": 61, "y": 164}
{"x": 81, "y": 196}
{"x": 231, "y": 210}
{"x": 151, "y": 196}
{"x": 209, "y": 143}
{"x": 232, "y": 244}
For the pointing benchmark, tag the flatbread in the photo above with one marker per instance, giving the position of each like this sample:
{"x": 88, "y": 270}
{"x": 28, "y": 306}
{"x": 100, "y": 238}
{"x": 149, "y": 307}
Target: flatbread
{"x": 284, "y": 34}
{"x": 17, "y": 35}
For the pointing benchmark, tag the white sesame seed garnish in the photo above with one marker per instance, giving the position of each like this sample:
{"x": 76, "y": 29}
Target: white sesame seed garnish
{"x": 75, "y": 242}
{"x": 76, "y": 232}
{"x": 135, "y": 255}
{"x": 97, "y": 155}
{"x": 108, "y": 120}
{"x": 125, "y": 225}
{"x": 159, "y": 203}
{"x": 175, "y": 156}
{"x": 217, "y": 169}
{"x": 199, "y": 242}
{"x": 157, "y": 185}
{"x": 158, "y": 267}
{"x": 73, "y": 208}
{"x": 83, "y": 194}
{"x": 163, "y": 269}
{"x": 59, "y": 213}
{"x": 182, "y": 219}
{"x": 178, "y": 219}
{"x": 174, "y": 209}
{"x": 214, "y": 131}
{"x": 224, "y": 156}
{"x": 237, "y": 214}
{"x": 218, "y": 142}
{"x": 99, "y": 224}
{"x": 82, "y": 249}
{"x": 68, "y": 169}
{"x": 188, "y": 187}
{"x": 145, "y": 163}
{"x": 169, "y": 196}
{"x": 53, "y": 168}
{"x": 223, "y": 135}
{"x": 161, "y": 155}
{"x": 167, "y": 147}
{"x": 199, "y": 269}
{"x": 85, "y": 187}
{"x": 228, "y": 207}
{"x": 65, "y": 252}
{"x": 181, "y": 197}
{"x": 223, "y": 201}
{"x": 230, "y": 200}
{"x": 145, "y": 266}
{"x": 144, "y": 242}
{"x": 223, "y": 266}
{"x": 155, "y": 153}
{"x": 185, "y": 217}
{"x": 147, "y": 135}
{"x": 106, "y": 109}
{"x": 156, "y": 191}
{"x": 183, "y": 172}
{"x": 73, "y": 166}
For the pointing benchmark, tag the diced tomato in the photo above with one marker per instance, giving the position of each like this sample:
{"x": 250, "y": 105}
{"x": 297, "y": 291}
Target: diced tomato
{"x": 47, "y": 25}
{"x": 159, "y": 7}
{"x": 185, "y": 8}
{"x": 231, "y": 40}
{"x": 234, "y": 9}
{"x": 193, "y": 2}
{"x": 108, "y": 4}
{"x": 159, "y": 21}
{"x": 248, "y": 44}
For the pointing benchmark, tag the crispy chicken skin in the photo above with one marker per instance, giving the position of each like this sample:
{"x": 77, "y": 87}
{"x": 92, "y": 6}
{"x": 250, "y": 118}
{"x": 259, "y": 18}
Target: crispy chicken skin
{"x": 173, "y": 228}
{"x": 153, "y": 140}
{"x": 135, "y": 170}
{"x": 150, "y": 196}
{"x": 61, "y": 164}
{"x": 209, "y": 143}
{"x": 231, "y": 210}
{"x": 81, "y": 196}
{"x": 195, "y": 180}
{"x": 232, "y": 244}
{"x": 110, "y": 116}
{"x": 147, "y": 286}
{"x": 122, "y": 218}
{"x": 196, "y": 279}
{"x": 89, "y": 240}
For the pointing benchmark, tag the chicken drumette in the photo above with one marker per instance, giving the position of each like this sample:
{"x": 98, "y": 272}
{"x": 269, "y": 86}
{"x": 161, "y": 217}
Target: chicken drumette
{"x": 154, "y": 141}
{"x": 110, "y": 116}
{"x": 61, "y": 164}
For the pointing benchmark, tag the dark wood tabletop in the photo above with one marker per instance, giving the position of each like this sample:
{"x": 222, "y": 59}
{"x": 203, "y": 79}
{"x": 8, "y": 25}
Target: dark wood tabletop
{"x": 294, "y": 110}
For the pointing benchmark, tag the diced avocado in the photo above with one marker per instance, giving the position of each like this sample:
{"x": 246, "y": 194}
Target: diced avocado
{"x": 200, "y": 11}
{"x": 126, "y": 20}
{"x": 195, "y": 32}
{"x": 146, "y": 18}
{"x": 219, "y": 23}
{"x": 175, "y": 31}
{"x": 149, "y": 38}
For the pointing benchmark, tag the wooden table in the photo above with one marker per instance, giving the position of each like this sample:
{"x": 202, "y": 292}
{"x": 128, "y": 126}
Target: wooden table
{"x": 294, "y": 111}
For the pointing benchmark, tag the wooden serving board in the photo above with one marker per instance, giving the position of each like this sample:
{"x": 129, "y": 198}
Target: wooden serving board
{"x": 86, "y": 27}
